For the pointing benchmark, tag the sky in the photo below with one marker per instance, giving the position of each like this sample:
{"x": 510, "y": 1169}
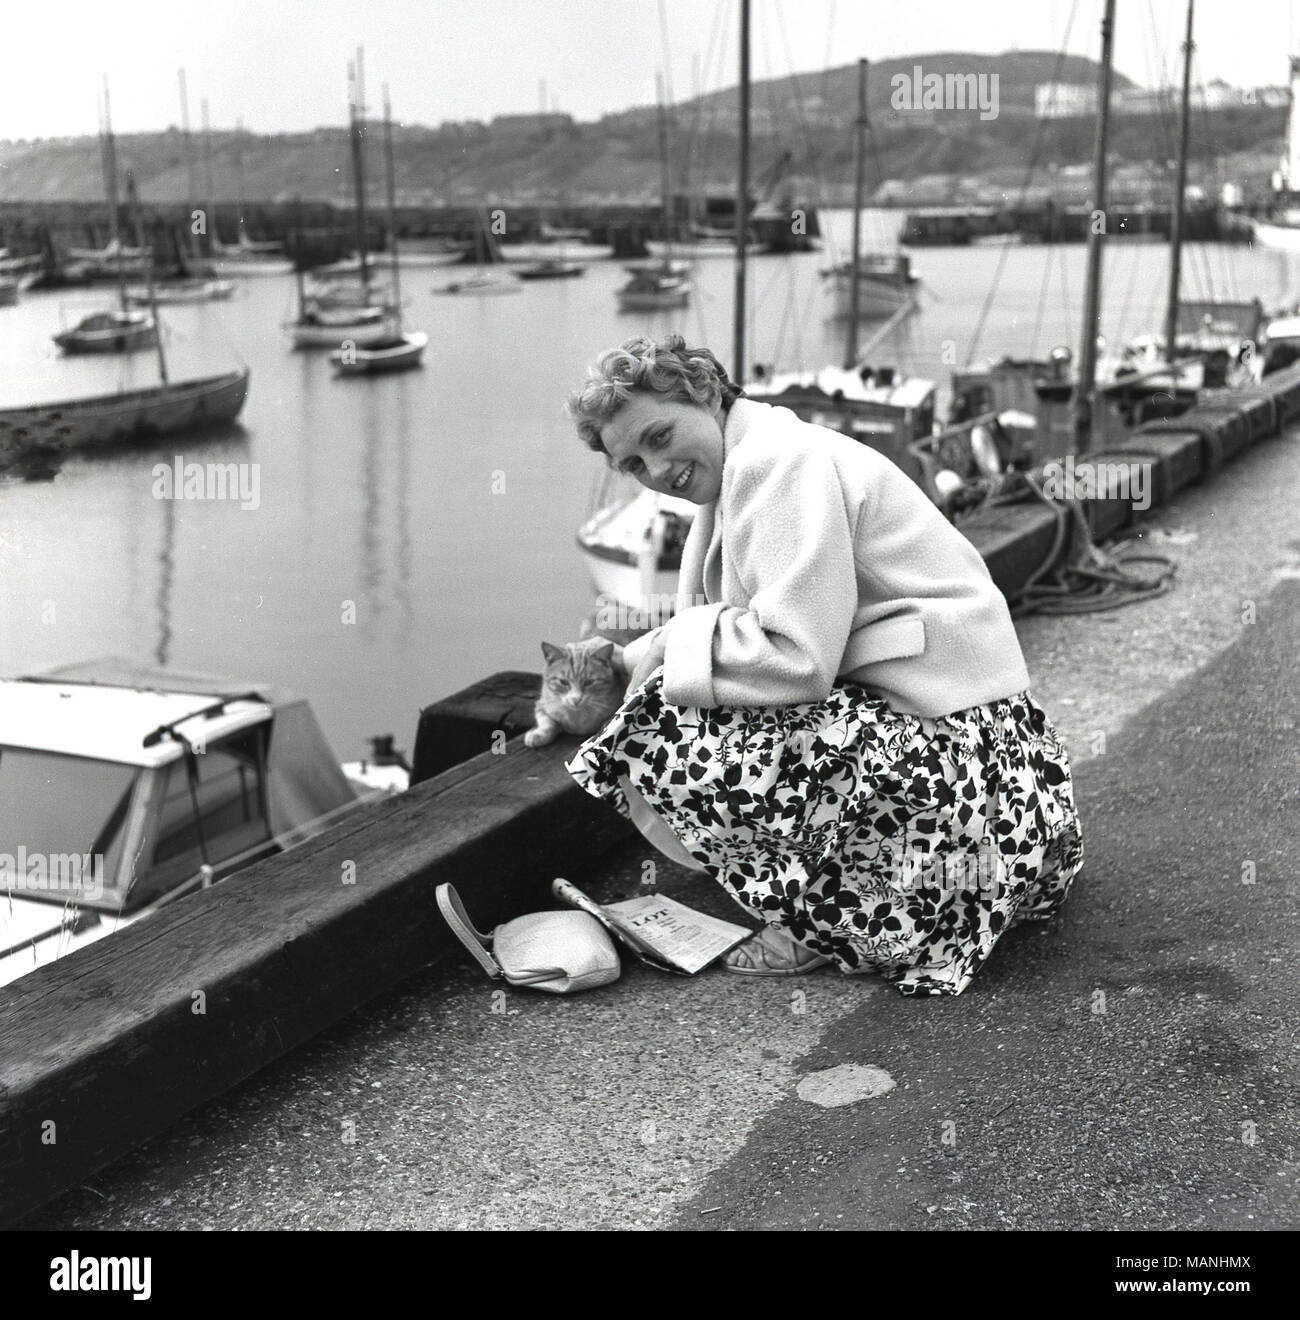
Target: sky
{"x": 281, "y": 65}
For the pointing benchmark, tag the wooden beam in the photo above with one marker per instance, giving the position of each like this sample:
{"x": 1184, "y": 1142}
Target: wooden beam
{"x": 106, "y": 1048}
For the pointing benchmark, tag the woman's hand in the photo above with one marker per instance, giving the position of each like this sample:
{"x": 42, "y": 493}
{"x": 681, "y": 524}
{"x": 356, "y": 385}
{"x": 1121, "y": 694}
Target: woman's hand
{"x": 648, "y": 662}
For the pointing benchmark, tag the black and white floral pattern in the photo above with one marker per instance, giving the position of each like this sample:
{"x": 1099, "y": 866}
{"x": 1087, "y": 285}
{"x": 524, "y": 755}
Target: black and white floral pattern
{"x": 893, "y": 843}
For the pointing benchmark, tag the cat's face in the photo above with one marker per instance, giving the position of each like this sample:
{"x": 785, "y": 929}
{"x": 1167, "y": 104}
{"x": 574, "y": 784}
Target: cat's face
{"x": 581, "y": 687}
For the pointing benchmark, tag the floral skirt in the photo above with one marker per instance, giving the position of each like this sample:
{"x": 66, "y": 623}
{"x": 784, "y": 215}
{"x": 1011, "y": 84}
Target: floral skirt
{"x": 894, "y": 843}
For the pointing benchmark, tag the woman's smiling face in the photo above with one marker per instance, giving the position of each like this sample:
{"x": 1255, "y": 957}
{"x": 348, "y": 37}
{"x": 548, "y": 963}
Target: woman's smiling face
{"x": 668, "y": 445}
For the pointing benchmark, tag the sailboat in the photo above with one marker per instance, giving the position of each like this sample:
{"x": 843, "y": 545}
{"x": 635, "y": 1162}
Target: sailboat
{"x": 633, "y": 548}
{"x": 96, "y": 421}
{"x": 190, "y": 286}
{"x": 1205, "y": 344}
{"x": 118, "y": 330}
{"x": 664, "y": 283}
{"x": 246, "y": 258}
{"x": 401, "y": 350}
{"x": 347, "y": 319}
{"x": 879, "y": 406}
{"x": 481, "y": 283}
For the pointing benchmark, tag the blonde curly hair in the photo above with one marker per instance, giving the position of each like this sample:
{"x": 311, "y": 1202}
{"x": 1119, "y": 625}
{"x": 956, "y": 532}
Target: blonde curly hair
{"x": 665, "y": 366}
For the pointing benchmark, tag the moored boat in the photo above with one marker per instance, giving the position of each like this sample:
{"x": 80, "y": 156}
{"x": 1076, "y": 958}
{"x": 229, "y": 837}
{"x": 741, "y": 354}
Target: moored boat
{"x": 551, "y": 269}
{"x": 886, "y": 283}
{"x": 109, "y": 332}
{"x": 105, "y": 419}
{"x": 654, "y": 287}
{"x": 481, "y": 285}
{"x": 183, "y": 291}
{"x": 102, "y": 756}
{"x": 400, "y": 350}
{"x": 317, "y": 330}
{"x": 397, "y": 352}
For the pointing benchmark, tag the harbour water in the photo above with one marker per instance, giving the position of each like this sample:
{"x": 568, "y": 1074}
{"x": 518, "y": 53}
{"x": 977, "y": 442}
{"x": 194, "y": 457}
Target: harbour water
{"x": 416, "y": 532}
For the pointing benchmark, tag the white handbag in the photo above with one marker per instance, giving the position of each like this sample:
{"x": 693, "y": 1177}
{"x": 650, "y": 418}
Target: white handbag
{"x": 559, "y": 952}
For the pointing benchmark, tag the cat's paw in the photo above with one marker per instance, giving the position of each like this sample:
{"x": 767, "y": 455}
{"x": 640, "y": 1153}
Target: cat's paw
{"x": 538, "y": 738}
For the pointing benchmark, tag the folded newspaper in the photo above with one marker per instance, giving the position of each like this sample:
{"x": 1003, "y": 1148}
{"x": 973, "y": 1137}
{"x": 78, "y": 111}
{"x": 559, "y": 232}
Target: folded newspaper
{"x": 661, "y": 931}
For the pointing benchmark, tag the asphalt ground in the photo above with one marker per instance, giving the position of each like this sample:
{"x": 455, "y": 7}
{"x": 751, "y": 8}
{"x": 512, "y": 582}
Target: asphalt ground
{"x": 1132, "y": 1064}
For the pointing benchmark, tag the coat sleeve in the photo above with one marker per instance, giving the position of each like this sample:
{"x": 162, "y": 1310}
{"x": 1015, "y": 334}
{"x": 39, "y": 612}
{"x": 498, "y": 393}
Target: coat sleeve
{"x": 788, "y": 537}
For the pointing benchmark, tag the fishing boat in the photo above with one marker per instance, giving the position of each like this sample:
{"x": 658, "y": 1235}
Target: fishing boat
{"x": 127, "y": 787}
{"x": 1279, "y": 228}
{"x": 556, "y": 244}
{"x": 551, "y": 269}
{"x": 244, "y": 263}
{"x": 100, "y": 420}
{"x": 341, "y": 293}
{"x": 654, "y": 287}
{"x": 483, "y": 283}
{"x": 308, "y": 332}
{"x": 195, "y": 290}
{"x": 885, "y": 282}
{"x": 400, "y": 350}
{"x": 109, "y": 332}
{"x": 113, "y": 261}
{"x": 1204, "y": 345}
{"x": 434, "y": 251}
{"x": 702, "y": 241}
{"x": 481, "y": 286}
{"x": 19, "y": 273}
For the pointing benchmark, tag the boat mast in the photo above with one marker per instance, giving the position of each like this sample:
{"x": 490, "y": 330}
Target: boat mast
{"x": 356, "y": 112}
{"x": 133, "y": 199}
{"x": 1085, "y": 385}
{"x": 1180, "y": 188}
{"x": 214, "y": 236}
{"x": 665, "y": 183}
{"x": 190, "y": 246}
{"x": 742, "y": 199}
{"x": 859, "y": 160}
{"x": 239, "y": 182}
{"x": 392, "y": 209}
{"x": 297, "y": 258}
{"x": 110, "y": 182}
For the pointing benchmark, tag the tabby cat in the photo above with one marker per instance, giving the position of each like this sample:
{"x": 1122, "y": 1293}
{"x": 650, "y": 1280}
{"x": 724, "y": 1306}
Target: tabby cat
{"x": 582, "y": 687}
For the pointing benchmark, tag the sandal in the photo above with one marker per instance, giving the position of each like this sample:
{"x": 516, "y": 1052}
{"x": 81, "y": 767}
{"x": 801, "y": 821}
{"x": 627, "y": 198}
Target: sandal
{"x": 771, "y": 953}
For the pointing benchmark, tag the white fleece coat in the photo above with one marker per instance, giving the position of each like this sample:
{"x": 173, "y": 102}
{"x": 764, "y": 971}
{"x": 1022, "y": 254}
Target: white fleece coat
{"x": 820, "y": 560}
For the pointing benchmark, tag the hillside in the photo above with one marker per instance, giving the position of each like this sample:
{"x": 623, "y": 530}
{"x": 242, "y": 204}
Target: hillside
{"x": 616, "y": 159}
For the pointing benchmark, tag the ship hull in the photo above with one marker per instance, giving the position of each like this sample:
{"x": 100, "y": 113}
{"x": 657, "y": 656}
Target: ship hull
{"x": 130, "y": 416}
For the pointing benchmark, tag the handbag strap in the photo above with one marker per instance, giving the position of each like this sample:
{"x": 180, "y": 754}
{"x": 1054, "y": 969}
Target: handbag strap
{"x": 462, "y": 927}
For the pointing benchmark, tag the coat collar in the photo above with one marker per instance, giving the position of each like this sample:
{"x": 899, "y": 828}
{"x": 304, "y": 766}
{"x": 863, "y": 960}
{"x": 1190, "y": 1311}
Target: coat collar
{"x": 700, "y": 556}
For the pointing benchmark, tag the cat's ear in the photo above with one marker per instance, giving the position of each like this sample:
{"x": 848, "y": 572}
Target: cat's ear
{"x": 604, "y": 654}
{"x": 553, "y": 653}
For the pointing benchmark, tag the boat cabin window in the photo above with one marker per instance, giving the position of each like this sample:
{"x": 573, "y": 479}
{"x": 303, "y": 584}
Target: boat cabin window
{"x": 232, "y": 813}
{"x": 62, "y": 822}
